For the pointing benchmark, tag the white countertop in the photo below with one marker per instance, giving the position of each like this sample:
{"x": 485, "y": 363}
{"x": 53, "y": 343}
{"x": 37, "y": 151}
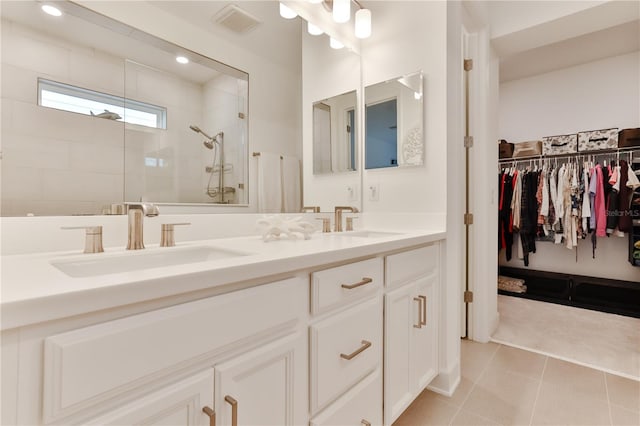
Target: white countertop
{"x": 33, "y": 290}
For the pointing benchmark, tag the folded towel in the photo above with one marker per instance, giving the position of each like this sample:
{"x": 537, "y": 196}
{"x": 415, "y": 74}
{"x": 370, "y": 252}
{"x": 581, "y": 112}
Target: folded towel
{"x": 291, "y": 184}
{"x": 269, "y": 183}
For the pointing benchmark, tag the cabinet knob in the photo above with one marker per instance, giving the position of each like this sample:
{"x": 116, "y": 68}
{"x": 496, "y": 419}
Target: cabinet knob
{"x": 212, "y": 415}
{"x": 167, "y": 238}
{"x": 93, "y": 238}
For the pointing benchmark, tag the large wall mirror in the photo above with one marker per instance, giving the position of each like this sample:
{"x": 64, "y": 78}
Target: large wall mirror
{"x": 394, "y": 123}
{"x": 96, "y": 112}
{"x": 334, "y": 134}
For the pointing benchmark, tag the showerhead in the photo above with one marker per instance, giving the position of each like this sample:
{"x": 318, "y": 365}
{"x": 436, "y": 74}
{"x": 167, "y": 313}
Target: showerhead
{"x": 197, "y": 130}
{"x": 209, "y": 143}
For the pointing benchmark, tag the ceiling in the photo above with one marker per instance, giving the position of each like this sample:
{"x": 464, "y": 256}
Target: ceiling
{"x": 535, "y": 37}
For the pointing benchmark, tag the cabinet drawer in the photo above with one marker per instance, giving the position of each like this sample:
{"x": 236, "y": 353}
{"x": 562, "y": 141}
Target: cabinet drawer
{"x": 361, "y": 404}
{"x": 344, "y": 348}
{"x": 336, "y": 286}
{"x": 92, "y": 364}
{"x": 406, "y": 266}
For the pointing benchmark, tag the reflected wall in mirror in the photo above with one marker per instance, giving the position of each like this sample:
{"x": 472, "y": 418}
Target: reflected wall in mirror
{"x": 97, "y": 112}
{"x": 334, "y": 134}
{"x": 394, "y": 123}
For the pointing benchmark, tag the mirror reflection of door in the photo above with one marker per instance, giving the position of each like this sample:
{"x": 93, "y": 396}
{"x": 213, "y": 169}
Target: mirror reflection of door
{"x": 381, "y": 134}
{"x": 321, "y": 138}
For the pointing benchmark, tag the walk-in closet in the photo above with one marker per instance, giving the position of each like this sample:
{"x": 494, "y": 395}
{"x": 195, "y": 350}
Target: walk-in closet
{"x": 569, "y": 285}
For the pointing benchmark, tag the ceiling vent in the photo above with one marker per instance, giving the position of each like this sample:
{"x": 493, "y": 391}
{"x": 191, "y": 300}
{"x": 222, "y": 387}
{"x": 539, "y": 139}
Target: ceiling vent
{"x": 235, "y": 19}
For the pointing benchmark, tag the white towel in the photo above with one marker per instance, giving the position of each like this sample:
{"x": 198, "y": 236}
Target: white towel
{"x": 269, "y": 183}
{"x": 291, "y": 184}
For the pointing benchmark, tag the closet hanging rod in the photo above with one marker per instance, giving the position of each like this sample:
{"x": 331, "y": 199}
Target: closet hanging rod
{"x": 631, "y": 149}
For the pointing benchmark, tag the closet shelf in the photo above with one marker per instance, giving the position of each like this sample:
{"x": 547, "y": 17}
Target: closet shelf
{"x": 578, "y": 154}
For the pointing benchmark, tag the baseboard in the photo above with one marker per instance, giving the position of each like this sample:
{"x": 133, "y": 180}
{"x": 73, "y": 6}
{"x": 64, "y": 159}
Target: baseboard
{"x": 446, "y": 382}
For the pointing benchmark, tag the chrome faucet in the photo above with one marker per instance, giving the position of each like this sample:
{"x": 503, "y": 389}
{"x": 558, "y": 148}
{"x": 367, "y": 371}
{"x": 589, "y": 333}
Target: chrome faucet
{"x": 136, "y": 213}
{"x": 338, "y": 216}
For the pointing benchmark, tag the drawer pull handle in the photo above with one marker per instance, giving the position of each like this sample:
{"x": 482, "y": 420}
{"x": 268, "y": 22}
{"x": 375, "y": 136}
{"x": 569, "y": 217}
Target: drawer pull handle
{"x": 212, "y": 415}
{"x": 364, "y": 281}
{"x": 234, "y": 409}
{"x": 365, "y": 345}
{"x": 419, "y": 324}
{"x": 365, "y": 423}
{"x": 424, "y": 310}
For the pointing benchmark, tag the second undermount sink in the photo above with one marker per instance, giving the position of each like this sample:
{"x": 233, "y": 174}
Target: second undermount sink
{"x": 101, "y": 264}
{"x": 365, "y": 234}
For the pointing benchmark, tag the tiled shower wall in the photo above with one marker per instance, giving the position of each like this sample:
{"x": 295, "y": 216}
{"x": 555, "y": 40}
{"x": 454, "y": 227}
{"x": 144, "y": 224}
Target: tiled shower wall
{"x": 48, "y": 169}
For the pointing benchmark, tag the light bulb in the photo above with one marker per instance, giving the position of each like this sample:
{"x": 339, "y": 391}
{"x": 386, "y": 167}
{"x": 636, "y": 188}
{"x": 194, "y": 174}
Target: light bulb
{"x": 313, "y": 29}
{"x": 50, "y": 10}
{"x": 363, "y": 23}
{"x": 335, "y": 44}
{"x": 417, "y": 96}
{"x": 341, "y": 10}
{"x": 182, "y": 60}
{"x": 287, "y": 13}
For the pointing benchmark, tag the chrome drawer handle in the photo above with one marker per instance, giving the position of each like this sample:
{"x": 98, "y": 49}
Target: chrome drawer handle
{"x": 419, "y": 300}
{"x": 234, "y": 409}
{"x": 212, "y": 415}
{"x": 365, "y": 345}
{"x": 364, "y": 281}
{"x": 423, "y": 321}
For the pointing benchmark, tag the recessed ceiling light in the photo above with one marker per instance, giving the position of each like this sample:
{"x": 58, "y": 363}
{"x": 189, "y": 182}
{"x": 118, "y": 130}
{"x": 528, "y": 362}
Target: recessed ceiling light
{"x": 182, "y": 60}
{"x": 50, "y": 10}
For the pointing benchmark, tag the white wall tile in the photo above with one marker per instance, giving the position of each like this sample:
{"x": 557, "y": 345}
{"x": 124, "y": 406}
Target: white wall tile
{"x": 82, "y": 186}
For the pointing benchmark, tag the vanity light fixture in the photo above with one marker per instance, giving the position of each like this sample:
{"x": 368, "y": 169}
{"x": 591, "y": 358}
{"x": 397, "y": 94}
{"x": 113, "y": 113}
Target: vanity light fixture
{"x": 286, "y": 12}
{"x": 335, "y": 44}
{"x": 51, "y": 10}
{"x": 363, "y": 23}
{"x": 341, "y": 11}
{"x": 314, "y": 29}
{"x": 182, "y": 60}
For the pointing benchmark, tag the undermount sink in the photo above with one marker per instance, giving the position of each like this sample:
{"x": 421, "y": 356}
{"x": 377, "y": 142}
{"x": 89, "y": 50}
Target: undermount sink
{"x": 365, "y": 234}
{"x": 102, "y": 264}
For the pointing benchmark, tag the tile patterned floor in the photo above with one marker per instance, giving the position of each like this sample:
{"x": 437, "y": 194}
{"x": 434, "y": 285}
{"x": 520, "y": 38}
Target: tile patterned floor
{"x": 502, "y": 385}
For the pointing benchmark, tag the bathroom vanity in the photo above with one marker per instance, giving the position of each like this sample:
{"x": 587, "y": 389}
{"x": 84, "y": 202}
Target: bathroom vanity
{"x": 285, "y": 332}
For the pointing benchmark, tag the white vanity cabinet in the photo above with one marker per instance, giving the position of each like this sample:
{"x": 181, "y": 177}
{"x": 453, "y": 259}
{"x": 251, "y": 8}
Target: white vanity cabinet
{"x": 411, "y": 327}
{"x": 239, "y": 334}
{"x": 346, "y": 344}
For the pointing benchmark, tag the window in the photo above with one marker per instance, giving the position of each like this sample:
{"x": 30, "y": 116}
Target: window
{"x": 65, "y": 97}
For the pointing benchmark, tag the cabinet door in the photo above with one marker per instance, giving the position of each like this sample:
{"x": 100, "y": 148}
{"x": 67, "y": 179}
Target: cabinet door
{"x": 424, "y": 342}
{"x": 177, "y": 404}
{"x": 402, "y": 313}
{"x": 266, "y": 386}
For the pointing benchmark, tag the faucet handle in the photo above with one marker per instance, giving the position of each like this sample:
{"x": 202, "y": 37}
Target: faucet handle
{"x": 326, "y": 224}
{"x": 166, "y": 234}
{"x": 93, "y": 238}
{"x": 350, "y": 222}
{"x": 310, "y": 209}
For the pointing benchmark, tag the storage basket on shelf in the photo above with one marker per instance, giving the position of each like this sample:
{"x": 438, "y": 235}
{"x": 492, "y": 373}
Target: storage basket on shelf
{"x": 527, "y": 149}
{"x": 560, "y": 144}
{"x": 629, "y": 138}
{"x": 596, "y": 140}
{"x": 505, "y": 149}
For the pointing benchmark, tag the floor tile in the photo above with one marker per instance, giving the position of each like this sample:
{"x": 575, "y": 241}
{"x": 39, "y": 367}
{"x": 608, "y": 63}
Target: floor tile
{"x": 504, "y": 397}
{"x": 475, "y": 357}
{"x": 526, "y": 363}
{"x": 461, "y": 393}
{"x": 575, "y": 378}
{"x": 624, "y": 392}
{"x": 465, "y": 418}
{"x": 620, "y": 416}
{"x": 427, "y": 409}
{"x": 560, "y": 405}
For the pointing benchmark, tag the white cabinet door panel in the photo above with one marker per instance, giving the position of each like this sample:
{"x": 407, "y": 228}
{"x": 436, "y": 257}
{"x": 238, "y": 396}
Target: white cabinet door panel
{"x": 424, "y": 342}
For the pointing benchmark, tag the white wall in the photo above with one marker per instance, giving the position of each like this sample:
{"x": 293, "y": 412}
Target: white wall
{"x": 408, "y": 37}
{"x": 595, "y": 95}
